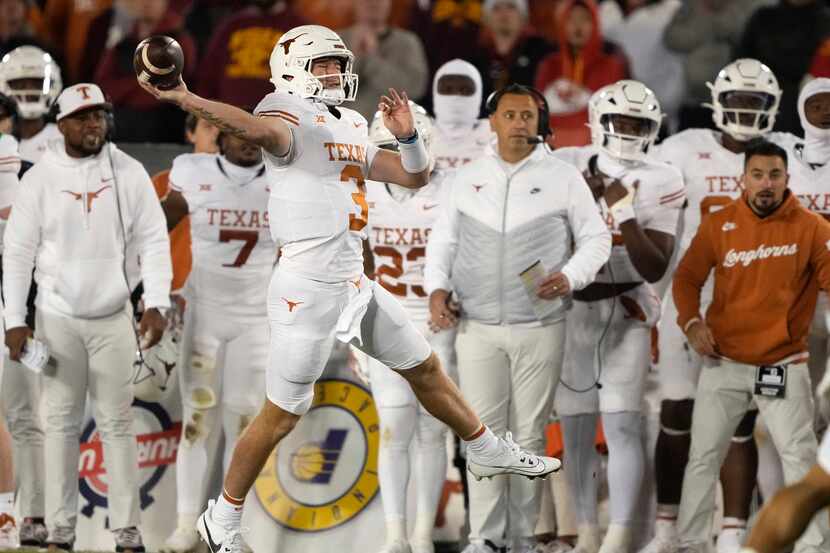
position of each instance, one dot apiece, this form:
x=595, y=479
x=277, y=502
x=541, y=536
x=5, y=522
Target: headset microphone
x=535, y=140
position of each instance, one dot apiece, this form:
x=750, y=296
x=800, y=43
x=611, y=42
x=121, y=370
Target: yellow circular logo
x=325, y=472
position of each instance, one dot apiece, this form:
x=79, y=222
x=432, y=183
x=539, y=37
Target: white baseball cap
x=79, y=97
x=520, y=5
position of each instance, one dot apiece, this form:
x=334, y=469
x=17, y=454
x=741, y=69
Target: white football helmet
x=291, y=62
x=745, y=98
x=154, y=377
x=624, y=118
x=30, y=63
x=380, y=136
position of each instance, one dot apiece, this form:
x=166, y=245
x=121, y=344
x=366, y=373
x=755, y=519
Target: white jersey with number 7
x=233, y=254
x=318, y=202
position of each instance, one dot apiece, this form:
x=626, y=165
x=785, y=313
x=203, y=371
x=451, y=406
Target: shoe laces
x=129, y=536
x=233, y=539
x=524, y=456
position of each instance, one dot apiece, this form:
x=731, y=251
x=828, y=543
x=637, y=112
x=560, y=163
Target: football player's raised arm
x=175, y=208
x=387, y=167
x=409, y=168
x=270, y=133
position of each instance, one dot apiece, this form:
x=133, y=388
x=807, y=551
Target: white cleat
x=9, y=538
x=183, y=540
x=397, y=546
x=511, y=460
x=731, y=540
x=217, y=537
x=555, y=546
x=422, y=546
x=661, y=544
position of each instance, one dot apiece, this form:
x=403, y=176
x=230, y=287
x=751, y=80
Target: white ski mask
x=816, y=139
x=454, y=110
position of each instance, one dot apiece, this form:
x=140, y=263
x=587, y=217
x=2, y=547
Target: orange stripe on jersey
x=291, y=118
x=672, y=197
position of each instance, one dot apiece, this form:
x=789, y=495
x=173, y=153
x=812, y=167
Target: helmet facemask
x=745, y=114
x=627, y=137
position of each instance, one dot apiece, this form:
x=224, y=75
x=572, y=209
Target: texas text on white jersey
x=318, y=203
x=233, y=254
x=658, y=200
x=399, y=228
x=711, y=174
x=453, y=148
x=31, y=149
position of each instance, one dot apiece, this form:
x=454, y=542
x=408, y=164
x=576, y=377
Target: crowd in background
x=566, y=48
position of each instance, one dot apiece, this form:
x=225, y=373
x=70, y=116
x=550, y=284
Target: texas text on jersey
x=318, y=191
x=233, y=253
x=399, y=229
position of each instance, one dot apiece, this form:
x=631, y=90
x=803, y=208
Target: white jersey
x=809, y=182
x=658, y=201
x=318, y=203
x=32, y=149
x=711, y=173
x=452, y=149
x=233, y=254
x=398, y=230
x=9, y=168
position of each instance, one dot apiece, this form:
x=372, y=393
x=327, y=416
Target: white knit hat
x=520, y=5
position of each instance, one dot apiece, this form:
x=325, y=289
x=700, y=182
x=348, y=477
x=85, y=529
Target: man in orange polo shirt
x=204, y=138
x=770, y=255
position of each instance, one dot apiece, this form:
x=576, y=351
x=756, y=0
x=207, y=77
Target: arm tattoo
x=221, y=124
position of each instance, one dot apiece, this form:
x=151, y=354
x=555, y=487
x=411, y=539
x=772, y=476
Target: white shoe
x=730, y=540
x=511, y=460
x=555, y=546
x=523, y=545
x=9, y=538
x=182, y=540
x=661, y=544
x=422, y=546
x=397, y=546
x=474, y=547
x=217, y=537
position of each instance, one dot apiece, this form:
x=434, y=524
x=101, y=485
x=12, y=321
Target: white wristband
x=414, y=156
x=622, y=212
x=689, y=324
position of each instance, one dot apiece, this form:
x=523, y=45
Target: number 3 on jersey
x=353, y=172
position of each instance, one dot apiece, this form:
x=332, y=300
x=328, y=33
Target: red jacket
x=567, y=80
x=235, y=68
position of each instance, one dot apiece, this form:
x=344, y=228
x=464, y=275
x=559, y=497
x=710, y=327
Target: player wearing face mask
x=809, y=170
x=459, y=135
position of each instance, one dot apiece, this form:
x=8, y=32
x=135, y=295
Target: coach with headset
x=78, y=211
x=519, y=233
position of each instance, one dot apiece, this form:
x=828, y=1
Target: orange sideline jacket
x=179, y=237
x=767, y=275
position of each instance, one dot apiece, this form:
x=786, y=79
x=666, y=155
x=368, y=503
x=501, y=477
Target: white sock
x=188, y=520
x=6, y=502
x=430, y=473
x=226, y=513
x=395, y=530
x=486, y=445
x=581, y=465
x=626, y=464
x=665, y=526
x=191, y=465
x=733, y=523
x=397, y=426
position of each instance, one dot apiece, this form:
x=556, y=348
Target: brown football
x=159, y=60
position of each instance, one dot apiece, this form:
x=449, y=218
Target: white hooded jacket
x=73, y=221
